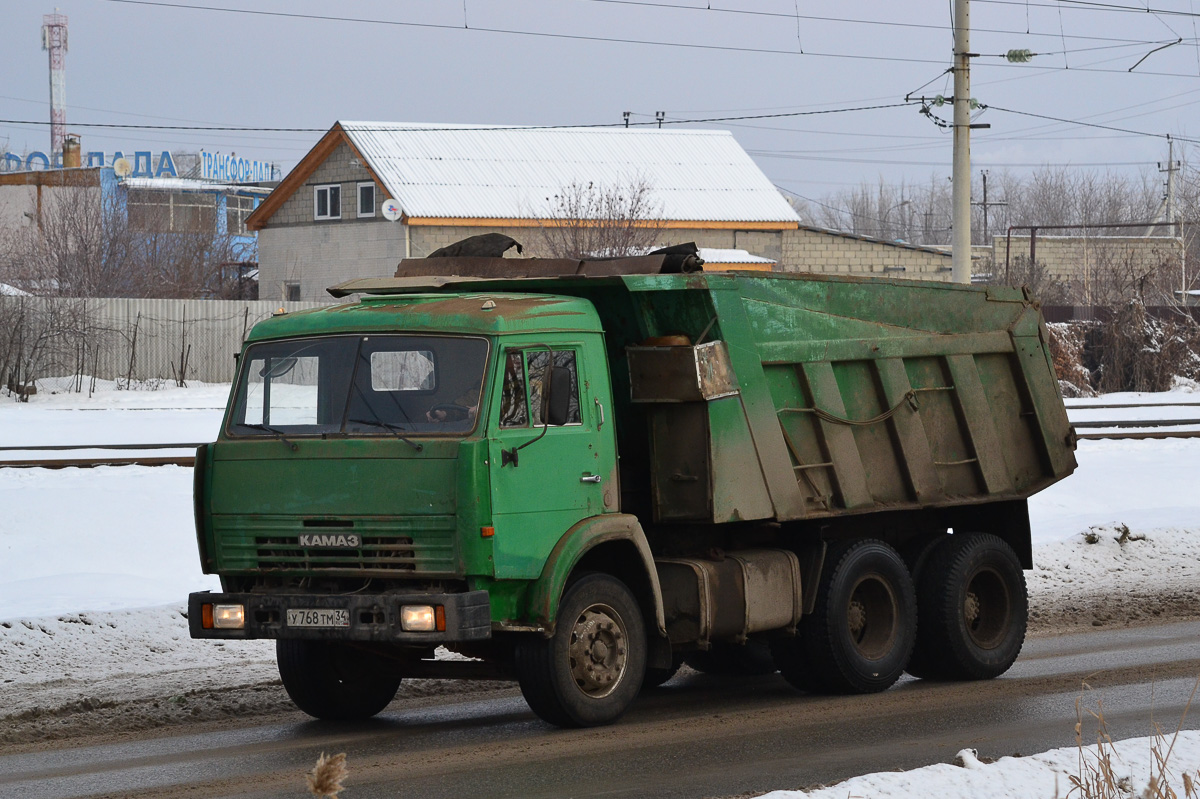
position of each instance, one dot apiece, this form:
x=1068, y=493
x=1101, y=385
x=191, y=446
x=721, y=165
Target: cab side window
x=514, y=407
x=525, y=382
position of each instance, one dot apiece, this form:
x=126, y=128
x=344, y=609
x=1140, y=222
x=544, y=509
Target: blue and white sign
x=232, y=169
x=143, y=162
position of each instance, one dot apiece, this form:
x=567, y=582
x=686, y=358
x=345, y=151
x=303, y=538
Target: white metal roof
x=711, y=255
x=512, y=173
x=190, y=184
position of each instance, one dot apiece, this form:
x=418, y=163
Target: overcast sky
x=555, y=62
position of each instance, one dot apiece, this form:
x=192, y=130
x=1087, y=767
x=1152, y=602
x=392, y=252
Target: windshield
x=376, y=385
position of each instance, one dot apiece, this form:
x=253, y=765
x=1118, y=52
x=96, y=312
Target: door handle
x=600, y=408
x=590, y=478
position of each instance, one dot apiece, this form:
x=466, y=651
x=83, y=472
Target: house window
x=366, y=199
x=291, y=292
x=327, y=202
x=236, y=210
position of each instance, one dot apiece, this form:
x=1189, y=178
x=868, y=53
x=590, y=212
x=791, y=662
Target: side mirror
x=557, y=407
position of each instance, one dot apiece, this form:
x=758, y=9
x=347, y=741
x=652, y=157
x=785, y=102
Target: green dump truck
x=580, y=477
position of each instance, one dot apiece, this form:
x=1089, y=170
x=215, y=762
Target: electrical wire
x=574, y=36
x=1092, y=124
x=247, y=129
x=849, y=20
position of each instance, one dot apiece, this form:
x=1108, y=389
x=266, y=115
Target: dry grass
x=1067, y=343
x=325, y=780
x=1098, y=777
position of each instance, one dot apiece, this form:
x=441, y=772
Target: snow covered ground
x=1043, y=776
x=96, y=564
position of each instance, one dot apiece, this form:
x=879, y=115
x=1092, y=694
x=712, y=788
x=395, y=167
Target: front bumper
x=373, y=617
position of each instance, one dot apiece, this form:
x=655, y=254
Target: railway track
x=108, y=460
x=1131, y=429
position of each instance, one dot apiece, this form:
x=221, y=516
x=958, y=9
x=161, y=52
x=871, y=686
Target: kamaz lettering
x=348, y=541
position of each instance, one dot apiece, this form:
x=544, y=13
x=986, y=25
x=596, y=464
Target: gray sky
x=144, y=64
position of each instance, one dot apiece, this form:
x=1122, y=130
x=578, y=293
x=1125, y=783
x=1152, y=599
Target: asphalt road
x=697, y=736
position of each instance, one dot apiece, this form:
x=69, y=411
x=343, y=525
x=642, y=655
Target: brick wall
x=1075, y=259
x=807, y=250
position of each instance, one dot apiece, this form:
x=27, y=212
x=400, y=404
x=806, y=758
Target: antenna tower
x=54, y=39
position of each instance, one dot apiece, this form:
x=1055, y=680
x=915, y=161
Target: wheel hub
x=856, y=617
x=598, y=653
x=971, y=608
x=987, y=609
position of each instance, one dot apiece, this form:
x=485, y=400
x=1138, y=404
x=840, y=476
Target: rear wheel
x=334, y=681
x=973, y=610
x=591, y=669
x=861, y=631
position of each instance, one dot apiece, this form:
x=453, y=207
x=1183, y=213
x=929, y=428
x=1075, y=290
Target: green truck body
x=581, y=481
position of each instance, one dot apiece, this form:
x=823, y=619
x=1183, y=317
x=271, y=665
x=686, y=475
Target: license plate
x=318, y=617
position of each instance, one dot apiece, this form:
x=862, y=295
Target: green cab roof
x=478, y=313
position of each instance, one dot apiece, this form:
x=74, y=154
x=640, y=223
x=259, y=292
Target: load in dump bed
x=596, y=470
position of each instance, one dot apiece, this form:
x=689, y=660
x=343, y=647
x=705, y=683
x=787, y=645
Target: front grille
x=393, y=553
x=420, y=545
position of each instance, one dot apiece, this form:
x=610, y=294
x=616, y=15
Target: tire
x=752, y=659
x=973, y=610
x=590, y=671
x=333, y=681
x=860, y=634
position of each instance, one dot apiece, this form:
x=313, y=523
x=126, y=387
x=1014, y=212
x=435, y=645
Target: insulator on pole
x=1019, y=56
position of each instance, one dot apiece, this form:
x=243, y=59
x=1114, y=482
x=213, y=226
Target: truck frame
x=582, y=474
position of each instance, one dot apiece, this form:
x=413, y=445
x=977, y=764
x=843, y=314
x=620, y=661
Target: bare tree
x=585, y=220
x=92, y=245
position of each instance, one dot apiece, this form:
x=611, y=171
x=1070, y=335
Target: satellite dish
x=391, y=210
x=122, y=167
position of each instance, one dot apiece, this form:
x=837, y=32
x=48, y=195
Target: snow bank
x=1044, y=775
x=93, y=647
x=74, y=540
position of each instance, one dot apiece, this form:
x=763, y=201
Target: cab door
x=546, y=477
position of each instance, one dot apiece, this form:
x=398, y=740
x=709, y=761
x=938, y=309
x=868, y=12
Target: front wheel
x=973, y=609
x=591, y=669
x=334, y=681
x=860, y=634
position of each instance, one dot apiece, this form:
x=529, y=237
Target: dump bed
x=802, y=396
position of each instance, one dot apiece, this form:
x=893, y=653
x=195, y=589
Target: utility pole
x=986, y=205
x=961, y=192
x=1172, y=167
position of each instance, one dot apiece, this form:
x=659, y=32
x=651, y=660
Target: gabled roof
x=460, y=172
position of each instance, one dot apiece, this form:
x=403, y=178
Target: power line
x=517, y=32
x=850, y=20
x=588, y=38
x=246, y=129
x=1090, y=5
x=1092, y=124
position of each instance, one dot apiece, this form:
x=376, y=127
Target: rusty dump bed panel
x=899, y=394
x=809, y=396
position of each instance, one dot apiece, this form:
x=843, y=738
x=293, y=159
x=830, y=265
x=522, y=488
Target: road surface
x=698, y=736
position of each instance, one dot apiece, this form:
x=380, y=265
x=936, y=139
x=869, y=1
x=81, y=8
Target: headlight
x=418, y=618
x=229, y=617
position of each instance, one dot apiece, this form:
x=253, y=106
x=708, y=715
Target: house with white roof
x=326, y=223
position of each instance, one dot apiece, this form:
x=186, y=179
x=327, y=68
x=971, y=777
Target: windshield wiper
x=267, y=428
x=391, y=428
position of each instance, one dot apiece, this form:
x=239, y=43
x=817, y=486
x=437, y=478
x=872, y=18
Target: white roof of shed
x=715, y=256
x=441, y=171
x=190, y=184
